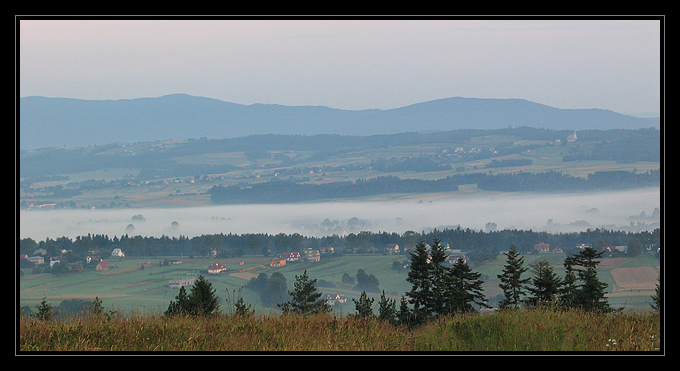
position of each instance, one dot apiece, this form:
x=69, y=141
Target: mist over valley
x=629, y=210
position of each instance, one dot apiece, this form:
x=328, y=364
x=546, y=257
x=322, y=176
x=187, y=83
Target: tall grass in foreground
x=536, y=330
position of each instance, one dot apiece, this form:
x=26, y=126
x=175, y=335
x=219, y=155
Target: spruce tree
x=201, y=301
x=180, y=305
x=404, y=315
x=421, y=285
x=589, y=293
x=568, y=292
x=512, y=283
x=546, y=285
x=45, y=312
x=202, y=298
x=304, y=298
x=363, y=306
x=387, y=309
x=436, y=303
x=464, y=289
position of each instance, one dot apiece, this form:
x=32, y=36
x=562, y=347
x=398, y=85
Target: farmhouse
x=312, y=255
x=276, y=262
x=216, y=268
x=292, y=256
x=101, y=266
x=542, y=247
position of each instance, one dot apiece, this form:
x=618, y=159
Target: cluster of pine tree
x=439, y=289
x=580, y=288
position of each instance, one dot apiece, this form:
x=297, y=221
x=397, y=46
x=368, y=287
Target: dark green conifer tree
x=421, y=285
x=546, y=285
x=589, y=294
x=304, y=298
x=464, y=289
x=512, y=283
x=202, y=298
x=436, y=303
x=387, y=309
x=201, y=301
x=363, y=306
x=181, y=303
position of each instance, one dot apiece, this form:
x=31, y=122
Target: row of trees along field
x=277, y=191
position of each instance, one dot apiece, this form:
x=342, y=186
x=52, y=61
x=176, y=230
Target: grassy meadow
x=533, y=331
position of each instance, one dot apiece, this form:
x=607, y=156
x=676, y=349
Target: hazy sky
x=349, y=63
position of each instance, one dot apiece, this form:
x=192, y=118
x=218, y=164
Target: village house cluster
x=39, y=258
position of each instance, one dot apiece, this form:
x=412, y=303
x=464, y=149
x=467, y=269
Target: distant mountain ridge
x=56, y=122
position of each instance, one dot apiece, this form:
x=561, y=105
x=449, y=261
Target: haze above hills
x=57, y=122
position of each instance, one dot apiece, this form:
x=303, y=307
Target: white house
x=118, y=253
x=177, y=283
x=216, y=268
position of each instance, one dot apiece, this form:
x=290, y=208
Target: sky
x=356, y=63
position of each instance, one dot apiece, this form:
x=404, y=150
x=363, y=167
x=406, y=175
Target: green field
x=126, y=286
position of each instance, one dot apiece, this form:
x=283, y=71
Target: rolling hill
x=57, y=122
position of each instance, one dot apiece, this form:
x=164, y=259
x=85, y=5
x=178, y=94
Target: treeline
x=555, y=181
x=283, y=191
x=289, y=191
x=478, y=245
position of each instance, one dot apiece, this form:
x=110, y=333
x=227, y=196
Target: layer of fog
x=625, y=210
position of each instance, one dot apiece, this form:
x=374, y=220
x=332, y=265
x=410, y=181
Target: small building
x=326, y=250
x=216, y=268
x=292, y=256
x=101, y=266
x=331, y=299
x=177, y=283
x=542, y=247
x=117, y=253
x=452, y=258
x=615, y=248
x=391, y=248
x=312, y=255
x=276, y=262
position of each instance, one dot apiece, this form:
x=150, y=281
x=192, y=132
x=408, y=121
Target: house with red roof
x=292, y=256
x=101, y=266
